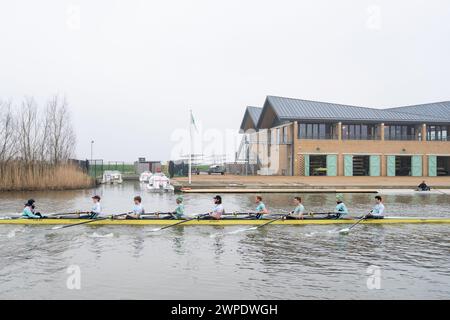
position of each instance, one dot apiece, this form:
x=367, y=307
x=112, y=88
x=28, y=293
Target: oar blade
x=242, y=230
x=344, y=231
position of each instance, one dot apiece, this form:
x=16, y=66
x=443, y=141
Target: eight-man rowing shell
x=226, y=222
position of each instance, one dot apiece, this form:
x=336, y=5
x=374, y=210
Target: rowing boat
x=227, y=222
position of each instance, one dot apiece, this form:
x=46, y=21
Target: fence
x=242, y=169
x=96, y=168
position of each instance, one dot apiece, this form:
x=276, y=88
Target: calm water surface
x=202, y=262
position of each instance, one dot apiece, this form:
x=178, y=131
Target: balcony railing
x=403, y=138
x=362, y=138
x=322, y=137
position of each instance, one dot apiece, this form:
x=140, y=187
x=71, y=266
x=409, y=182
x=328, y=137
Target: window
x=316, y=131
x=437, y=133
x=359, y=132
x=401, y=132
x=285, y=135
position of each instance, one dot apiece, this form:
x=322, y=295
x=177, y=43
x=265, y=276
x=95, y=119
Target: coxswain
x=29, y=211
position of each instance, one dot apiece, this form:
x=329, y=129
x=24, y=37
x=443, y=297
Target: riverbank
x=38, y=177
x=233, y=183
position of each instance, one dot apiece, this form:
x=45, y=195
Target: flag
x=193, y=124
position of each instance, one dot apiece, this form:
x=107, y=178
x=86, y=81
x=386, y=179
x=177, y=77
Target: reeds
x=21, y=176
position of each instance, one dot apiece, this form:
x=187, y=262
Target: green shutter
x=416, y=166
x=348, y=165
x=307, y=174
x=390, y=163
x=375, y=170
x=432, y=166
x=331, y=165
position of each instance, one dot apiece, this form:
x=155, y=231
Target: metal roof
x=438, y=109
x=287, y=109
x=254, y=113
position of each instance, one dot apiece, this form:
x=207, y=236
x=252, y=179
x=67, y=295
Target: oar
x=259, y=227
x=90, y=221
x=176, y=224
x=347, y=230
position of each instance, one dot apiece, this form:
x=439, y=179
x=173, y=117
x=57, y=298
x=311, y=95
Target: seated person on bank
x=423, y=187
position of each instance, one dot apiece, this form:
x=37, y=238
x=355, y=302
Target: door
x=307, y=173
x=416, y=166
x=432, y=166
x=390, y=164
x=332, y=165
x=375, y=170
x=348, y=165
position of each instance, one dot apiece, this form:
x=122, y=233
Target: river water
x=203, y=262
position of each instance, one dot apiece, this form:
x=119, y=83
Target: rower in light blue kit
x=299, y=209
x=218, y=210
x=96, y=210
x=341, y=211
x=261, y=209
x=138, y=209
x=179, y=210
x=378, y=210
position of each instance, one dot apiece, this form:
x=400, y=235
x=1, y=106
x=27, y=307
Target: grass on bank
x=17, y=176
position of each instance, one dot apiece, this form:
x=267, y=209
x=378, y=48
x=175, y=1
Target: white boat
x=160, y=183
x=112, y=177
x=145, y=176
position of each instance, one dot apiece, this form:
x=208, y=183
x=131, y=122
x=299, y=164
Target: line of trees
x=36, y=143
x=33, y=134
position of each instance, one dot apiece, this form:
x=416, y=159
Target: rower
x=179, y=210
x=298, y=211
x=135, y=214
x=261, y=209
x=378, y=210
x=29, y=211
x=423, y=187
x=218, y=209
x=341, y=211
x=95, y=211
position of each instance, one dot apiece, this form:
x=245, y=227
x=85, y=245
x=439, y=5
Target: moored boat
x=112, y=177
x=145, y=176
x=160, y=183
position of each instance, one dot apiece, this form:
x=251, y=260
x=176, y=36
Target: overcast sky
x=131, y=69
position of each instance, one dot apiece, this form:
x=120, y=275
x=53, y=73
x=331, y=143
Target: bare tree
x=8, y=141
x=61, y=136
x=34, y=136
x=29, y=131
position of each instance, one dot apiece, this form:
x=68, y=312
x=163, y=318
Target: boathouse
x=310, y=138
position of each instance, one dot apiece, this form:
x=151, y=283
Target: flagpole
x=190, y=146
